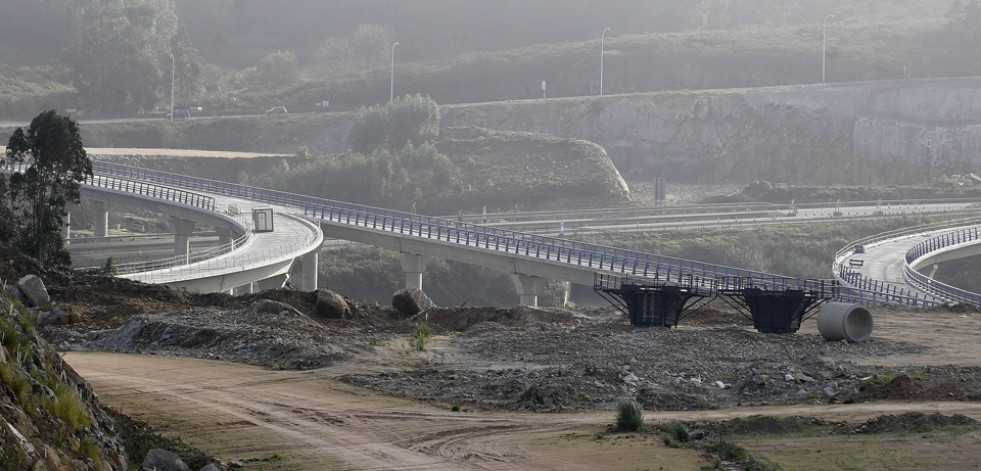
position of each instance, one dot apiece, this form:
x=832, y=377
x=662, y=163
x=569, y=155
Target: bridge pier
x=100, y=216
x=309, y=270
x=413, y=265
x=67, y=227
x=224, y=236
x=528, y=288
x=182, y=235
x=274, y=282
x=933, y=271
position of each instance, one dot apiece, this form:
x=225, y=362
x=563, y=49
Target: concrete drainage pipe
x=845, y=321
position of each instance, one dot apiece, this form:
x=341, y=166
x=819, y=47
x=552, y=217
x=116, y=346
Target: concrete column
x=528, y=288
x=224, y=236
x=309, y=273
x=67, y=227
x=933, y=271
x=413, y=265
x=100, y=216
x=182, y=235
x=275, y=282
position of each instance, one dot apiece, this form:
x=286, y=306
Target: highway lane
x=87, y=254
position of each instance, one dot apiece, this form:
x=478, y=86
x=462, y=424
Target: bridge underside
x=653, y=304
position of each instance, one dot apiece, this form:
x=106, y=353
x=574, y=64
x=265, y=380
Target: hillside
x=230, y=61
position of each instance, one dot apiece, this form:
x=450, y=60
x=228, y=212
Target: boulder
x=16, y=293
x=331, y=305
x=268, y=306
x=411, y=301
x=210, y=467
x=33, y=288
x=60, y=316
x=162, y=460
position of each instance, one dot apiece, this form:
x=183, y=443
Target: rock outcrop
x=876, y=132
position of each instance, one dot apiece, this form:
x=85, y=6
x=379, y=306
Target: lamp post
x=824, y=46
x=602, y=54
x=173, y=72
x=392, y=95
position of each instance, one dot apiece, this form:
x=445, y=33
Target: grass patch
x=676, y=435
x=729, y=451
x=423, y=332
x=630, y=416
x=90, y=450
x=13, y=457
x=19, y=384
x=66, y=405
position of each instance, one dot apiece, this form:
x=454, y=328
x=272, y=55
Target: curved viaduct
x=301, y=222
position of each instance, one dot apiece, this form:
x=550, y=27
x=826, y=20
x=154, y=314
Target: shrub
x=423, y=331
x=678, y=431
x=730, y=451
x=630, y=416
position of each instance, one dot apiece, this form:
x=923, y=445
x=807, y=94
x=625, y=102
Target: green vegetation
x=676, y=434
x=249, y=55
x=371, y=273
x=630, y=416
x=56, y=164
x=729, y=451
x=423, y=331
x=66, y=405
x=109, y=268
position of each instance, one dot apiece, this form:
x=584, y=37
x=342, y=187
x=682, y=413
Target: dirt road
x=242, y=412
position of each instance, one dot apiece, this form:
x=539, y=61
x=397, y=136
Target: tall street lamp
x=392, y=96
x=824, y=46
x=173, y=72
x=602, y=53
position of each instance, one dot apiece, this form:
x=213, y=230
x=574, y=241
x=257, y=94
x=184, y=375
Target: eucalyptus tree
x=56, y=165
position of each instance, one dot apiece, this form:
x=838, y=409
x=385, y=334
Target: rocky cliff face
x=882, y=132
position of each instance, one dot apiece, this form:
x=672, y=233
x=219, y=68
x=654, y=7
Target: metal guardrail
x=925, y=283
x=131, y=186
x=160, y=264
x=591, y=256
x=864, y=290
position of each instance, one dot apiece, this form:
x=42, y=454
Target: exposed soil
x=492, y=363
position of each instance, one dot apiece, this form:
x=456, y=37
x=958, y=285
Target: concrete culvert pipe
x=845, y=321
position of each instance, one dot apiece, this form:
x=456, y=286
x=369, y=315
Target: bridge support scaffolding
x=775, y=312
x=650, y=304
x=654, y=306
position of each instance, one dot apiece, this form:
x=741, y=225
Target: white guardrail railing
x=963, y=235
x=857, y=287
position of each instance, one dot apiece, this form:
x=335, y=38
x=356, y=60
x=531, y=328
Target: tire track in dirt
x=238, y=411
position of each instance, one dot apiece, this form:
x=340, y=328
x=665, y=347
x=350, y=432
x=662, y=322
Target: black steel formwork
x=648, y=303
x=775, y=305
